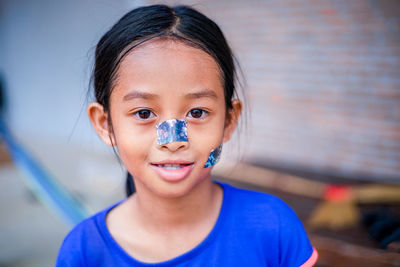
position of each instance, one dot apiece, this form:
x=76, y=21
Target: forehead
x=170, y=62
x=165, y=47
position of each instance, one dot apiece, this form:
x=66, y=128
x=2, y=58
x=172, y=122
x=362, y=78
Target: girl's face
x=158, y=81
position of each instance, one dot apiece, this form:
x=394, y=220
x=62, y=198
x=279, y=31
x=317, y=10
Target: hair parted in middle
x=142, y=24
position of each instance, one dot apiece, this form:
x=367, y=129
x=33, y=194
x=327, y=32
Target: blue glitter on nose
x=173, y=130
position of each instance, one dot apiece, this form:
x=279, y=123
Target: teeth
x=170, y=166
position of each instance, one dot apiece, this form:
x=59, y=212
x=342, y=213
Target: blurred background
x=322, y=90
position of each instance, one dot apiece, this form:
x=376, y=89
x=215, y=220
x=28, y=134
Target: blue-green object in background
x=46, y=188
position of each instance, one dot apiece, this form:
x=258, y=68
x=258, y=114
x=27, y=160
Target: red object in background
x=336, y=193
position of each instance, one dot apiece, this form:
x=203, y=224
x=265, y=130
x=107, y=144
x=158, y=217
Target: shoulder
x=272, y=223
x=85, y=238
x=259, y=205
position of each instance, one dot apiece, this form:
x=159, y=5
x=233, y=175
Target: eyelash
x=203, y=113
x=137, y=114
x=152, y=115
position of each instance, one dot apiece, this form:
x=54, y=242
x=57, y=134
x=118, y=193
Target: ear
x=99, y=120
x=232, y=119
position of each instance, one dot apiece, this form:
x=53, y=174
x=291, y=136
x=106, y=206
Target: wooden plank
x=334, y=252
x=4, y=156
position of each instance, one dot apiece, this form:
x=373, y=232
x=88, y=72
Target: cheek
x=134, y=143
x=204, y=138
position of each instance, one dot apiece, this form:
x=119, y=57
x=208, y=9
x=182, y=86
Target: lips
x=173, y=171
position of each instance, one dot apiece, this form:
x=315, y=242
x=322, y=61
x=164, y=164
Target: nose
x=175, y=146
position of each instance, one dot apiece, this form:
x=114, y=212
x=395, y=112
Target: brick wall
x=323, y=83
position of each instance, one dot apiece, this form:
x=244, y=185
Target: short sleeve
x=69, y=253
x=295, y=248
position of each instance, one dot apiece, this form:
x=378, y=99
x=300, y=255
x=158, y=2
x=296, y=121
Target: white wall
x=46, y=49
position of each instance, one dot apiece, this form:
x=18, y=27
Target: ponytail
x=130, y=185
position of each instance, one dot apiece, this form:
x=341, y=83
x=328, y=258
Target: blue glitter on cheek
x=173, y=130
x=214, y=156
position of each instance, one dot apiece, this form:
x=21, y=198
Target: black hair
x=180, y=23
x=129, y=185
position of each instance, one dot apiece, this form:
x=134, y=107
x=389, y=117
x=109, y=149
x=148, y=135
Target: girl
x=164, y=84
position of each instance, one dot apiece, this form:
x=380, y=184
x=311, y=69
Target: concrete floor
x=30, y=234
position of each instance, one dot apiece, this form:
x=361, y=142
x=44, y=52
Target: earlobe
x=232, y=119
x=99, y=119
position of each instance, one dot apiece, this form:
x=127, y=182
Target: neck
x=158, y=213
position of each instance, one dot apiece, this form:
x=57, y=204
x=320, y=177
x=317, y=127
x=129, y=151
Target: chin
x=180, y=189
x=175, y=190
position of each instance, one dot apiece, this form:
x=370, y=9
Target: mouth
x=171, y=166
x=172, y=171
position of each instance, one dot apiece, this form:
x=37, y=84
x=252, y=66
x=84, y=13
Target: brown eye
x=144, y=114
x=197, y=113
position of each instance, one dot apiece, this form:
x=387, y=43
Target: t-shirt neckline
x=178, y=259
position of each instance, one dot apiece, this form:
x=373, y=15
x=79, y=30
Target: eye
x=144, y=114
x=197, y=113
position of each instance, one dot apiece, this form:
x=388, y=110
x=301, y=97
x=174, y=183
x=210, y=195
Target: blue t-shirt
x=253, y=229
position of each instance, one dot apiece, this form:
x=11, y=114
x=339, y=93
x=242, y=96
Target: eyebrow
x=203, y=93
x=137, y=94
